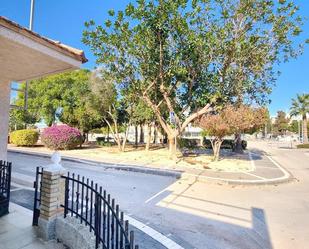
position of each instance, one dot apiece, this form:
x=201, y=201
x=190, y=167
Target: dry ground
x=158, y=157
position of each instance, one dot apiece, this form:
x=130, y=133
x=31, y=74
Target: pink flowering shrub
x=61, y=137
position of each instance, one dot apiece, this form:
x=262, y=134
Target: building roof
x=65, y=49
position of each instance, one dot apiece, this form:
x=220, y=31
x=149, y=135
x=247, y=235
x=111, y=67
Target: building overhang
x=25, y=55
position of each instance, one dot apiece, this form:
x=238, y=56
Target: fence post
x=96, y=220
x=52, y=195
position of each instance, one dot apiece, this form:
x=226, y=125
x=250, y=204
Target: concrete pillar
x=5, y=91
x=52, y=196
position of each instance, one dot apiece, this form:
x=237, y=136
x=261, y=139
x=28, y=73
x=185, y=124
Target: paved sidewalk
x=16, y=231
x=266, y=170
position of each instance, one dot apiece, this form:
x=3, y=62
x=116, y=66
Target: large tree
x=63, y=97
x=185, y=56
x=300, y=107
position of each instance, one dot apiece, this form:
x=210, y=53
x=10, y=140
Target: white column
x=5, y=91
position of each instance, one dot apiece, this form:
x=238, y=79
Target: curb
x=116, y=166
x=163, y=172
x=222, y=181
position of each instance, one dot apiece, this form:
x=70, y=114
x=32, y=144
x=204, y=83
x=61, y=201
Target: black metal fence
x=89, y=203
x=5, y=186
x=37, y=196
x=96, y=209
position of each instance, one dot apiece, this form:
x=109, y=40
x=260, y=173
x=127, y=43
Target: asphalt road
x=199, y=215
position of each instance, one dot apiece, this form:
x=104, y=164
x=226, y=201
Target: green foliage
x=226, y=144
x=178, y=56
x=281, y=123
x=65, y=97
x=102, y=142
x=187, y=143
x=300, y=106
x=24, y=137
x=302, y=146
x=294, y=126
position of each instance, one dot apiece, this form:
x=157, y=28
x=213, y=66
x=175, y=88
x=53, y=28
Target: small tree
x=300, y=107
x=281, y=123
x=217, y=127
x=231, y=120
x=106, y=103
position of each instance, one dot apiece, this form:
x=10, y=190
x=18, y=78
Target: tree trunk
x=216, y=146
x=238, y=147
x=148, y=137
x=155, y=134
x=141, y=138
x=107, y=134
x=305, y=131
x=172, y=147
x=136, y=136
x=119, y=145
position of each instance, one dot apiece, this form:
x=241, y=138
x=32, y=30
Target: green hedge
x=226, y=144
x=194, y=143
x=24, y=137
x=187, y=143
x=303, y=146
x=102, y=142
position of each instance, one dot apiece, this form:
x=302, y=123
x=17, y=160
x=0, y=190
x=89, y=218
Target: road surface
x=200, y=215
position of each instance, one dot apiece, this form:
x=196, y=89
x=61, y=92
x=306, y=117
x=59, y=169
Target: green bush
x=187, y=143
x=302, y=146
x=96, y=131
x=24, y=137
x=226, y=144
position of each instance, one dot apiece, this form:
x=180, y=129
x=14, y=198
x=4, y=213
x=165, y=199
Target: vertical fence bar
x=66, y=195
x=87, y=199
x=77, y=196
x=91, y=206
x=100, y=213
x=82, y=202
x=96, y=213
x=34, y=218
x=131, y=240
x=126, y=228
x=104, y=216
x=9, y=181
x=117, y=227
x=108, y=220
x=113, y=226
x=72, y=195
x=121, y=231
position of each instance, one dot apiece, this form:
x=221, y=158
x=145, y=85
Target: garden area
x=149, y=90
x=191, y=156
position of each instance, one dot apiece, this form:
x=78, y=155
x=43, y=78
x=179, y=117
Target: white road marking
x=251, y=160
x=260, y=177
x=286, y=174
x=162, y=239
x=157, y=194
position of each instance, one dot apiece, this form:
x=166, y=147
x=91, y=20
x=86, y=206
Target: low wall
x=70, y=232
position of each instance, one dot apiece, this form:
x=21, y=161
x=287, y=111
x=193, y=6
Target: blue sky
x=63, y=20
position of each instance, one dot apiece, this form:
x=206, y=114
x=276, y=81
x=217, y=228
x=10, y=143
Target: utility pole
x=30, y=28
x=31, y=15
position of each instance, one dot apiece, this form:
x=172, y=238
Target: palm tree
x=300, y=107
